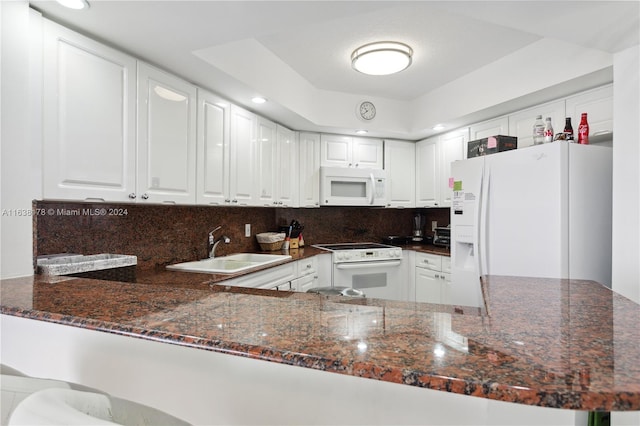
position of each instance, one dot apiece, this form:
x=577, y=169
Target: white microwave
x=351, y=186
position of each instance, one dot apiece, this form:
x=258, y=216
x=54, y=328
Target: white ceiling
x=239, y=49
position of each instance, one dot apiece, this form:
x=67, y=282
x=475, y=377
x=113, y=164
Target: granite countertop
x=547, y=342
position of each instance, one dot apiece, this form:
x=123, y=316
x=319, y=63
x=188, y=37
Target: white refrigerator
x=540, y=211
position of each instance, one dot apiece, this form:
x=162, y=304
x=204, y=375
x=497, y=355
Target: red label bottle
x=583, y=130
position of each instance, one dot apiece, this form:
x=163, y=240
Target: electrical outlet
x=434, y=225
x=247, y=229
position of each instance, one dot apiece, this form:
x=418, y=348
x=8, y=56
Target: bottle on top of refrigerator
x=583, y=130
x=548, y=130
x=538, y=131
x=568, y=129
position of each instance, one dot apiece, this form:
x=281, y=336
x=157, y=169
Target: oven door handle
x=362, y=265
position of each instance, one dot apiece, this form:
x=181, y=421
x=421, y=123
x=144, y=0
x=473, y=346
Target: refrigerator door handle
x=483, y=225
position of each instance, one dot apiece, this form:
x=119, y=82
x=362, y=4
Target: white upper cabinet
x=212, y=154
x=598, y=104
x=521, y=123
x=277, y=165
x=286, y=172
x=497, y=126
x=399, y=157
x=453, y=147
x=434, y=156
x=309, y=169
x=335, y=150
x=427, y=172
x=346, y=151
x=242, y=157
x=89, y=110
x=368, y=153
x=166, y=138
x=266, y=161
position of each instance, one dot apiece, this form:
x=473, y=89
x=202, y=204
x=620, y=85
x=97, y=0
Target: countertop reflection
x=548, y=342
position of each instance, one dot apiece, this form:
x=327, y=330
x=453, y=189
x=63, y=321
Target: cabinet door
x=598, y=104
x=287, y=168
x=521, y=123
x=452, y=148
x=89, y=107
x=367, y=153
x=335, y=150
x=399, y=158
x=166, y=138
x=305, y=283
x=428, y=285
x=242, y=157
x=212, y=177
x=429, y=261
x=309, y=180
x=497, y=126
x=266, y=160
x=427, y=173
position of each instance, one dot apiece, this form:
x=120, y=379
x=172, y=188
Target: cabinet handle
x=145, y=196
x=227, y=200
x=234, y=201
x=132, y=196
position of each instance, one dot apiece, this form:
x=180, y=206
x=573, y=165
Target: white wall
x=626, y=186
x=626, y=174
x=20, y=140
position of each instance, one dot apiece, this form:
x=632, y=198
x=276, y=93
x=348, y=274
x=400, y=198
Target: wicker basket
x=270, y=241
x=271, y=246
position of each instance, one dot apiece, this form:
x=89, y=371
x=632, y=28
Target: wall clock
x=366, y=110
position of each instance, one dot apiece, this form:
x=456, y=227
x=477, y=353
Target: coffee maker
x=418, y=227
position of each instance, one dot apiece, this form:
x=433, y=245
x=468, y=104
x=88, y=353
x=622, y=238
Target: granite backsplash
x=160, y=235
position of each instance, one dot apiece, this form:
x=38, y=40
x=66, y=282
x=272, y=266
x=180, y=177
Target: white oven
x=374, y=269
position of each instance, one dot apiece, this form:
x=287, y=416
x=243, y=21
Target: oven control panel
x=367, y=255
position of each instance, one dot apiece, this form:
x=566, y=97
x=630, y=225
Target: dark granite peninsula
x=560, y=344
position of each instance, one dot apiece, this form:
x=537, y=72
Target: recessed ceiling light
x=258, y=100
x=381, y=58
x=362, y=132
x=438, y=127
x=74, y=4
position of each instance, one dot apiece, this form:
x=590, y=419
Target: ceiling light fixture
x=74, y=4
x=381, y=58
x=258, y=100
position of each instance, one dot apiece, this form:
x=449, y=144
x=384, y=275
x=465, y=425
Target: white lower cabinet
x=278, y=277
x=300, y=275
x=433, y=278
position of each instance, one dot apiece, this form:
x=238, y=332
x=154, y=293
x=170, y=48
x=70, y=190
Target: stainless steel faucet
x=213, y=242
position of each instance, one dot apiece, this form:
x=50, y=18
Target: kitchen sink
x=229, y=264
